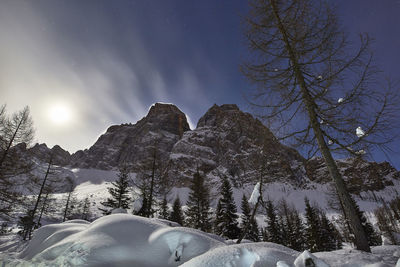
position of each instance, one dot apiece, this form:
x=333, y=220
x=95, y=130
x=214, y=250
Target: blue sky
x=106, y=62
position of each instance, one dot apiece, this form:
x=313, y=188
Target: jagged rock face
x=130, y=144
x=359, y=174
x=230, y=141
x=59, y=156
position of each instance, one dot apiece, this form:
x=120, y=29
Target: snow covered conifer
x=329, y=235
x=313, y=228
x=119, y=192
x=253, y=231
x=198, y=212
x=86, y=214
x=297, y=236
x=229, y=223
x=272, y=232
x=292, y=228
x=177, y=213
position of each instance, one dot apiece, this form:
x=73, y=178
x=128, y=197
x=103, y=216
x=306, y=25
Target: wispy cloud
x=108, y=65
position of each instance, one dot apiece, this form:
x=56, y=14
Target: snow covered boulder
x=245, y=255
x=184, y=243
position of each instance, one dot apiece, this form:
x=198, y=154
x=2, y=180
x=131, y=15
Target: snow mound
x=245, y=255
x=114, y=240
x=184, y=243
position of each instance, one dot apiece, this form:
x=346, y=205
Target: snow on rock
x=306, y=259
x=340, y=100
x=255, y=194
x=245, y=255
x=184, y=243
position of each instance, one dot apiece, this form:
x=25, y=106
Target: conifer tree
x=218, y=219
x=253, y=231
x=119, y=193
x=291, y=226
x=329, y=236
x=86, y=214
x=198, y=212
x=177, y=213
x=143, y=211
x=313, y=228
x=272, y=232
x=297, y=237
x=229, y=223
x=164, y=208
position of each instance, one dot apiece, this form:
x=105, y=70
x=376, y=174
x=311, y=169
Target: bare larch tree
x=322, y=91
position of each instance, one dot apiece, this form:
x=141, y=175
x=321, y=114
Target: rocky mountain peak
x=162, y=108
x=167, y=117
x=216, y=115
x=130, y=143
x=43, y=152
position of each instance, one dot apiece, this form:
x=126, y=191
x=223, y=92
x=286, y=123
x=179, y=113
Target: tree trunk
x=29, y=232
x=66, y=206
x=361, y=241
x=43, y=208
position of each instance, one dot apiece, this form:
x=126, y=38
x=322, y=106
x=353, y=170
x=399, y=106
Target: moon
x=60, y=114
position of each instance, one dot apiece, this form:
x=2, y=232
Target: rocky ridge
x=226, y=141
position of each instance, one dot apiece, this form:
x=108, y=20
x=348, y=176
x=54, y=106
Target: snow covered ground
x=129, y=240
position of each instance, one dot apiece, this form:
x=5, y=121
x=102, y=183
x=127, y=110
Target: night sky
x=82, y=66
